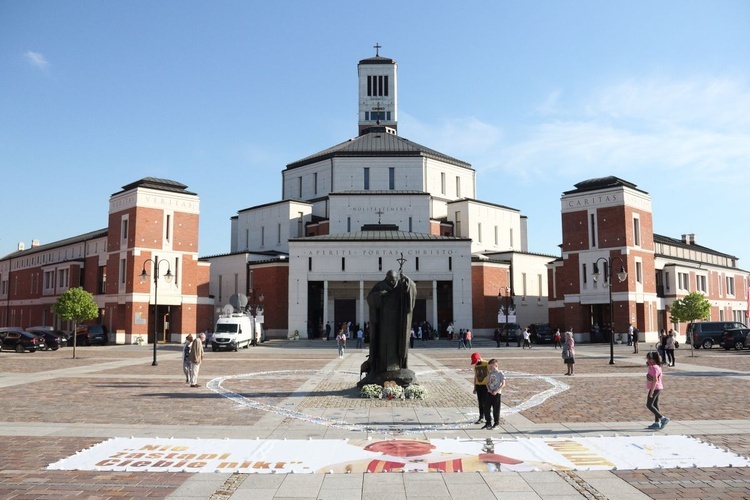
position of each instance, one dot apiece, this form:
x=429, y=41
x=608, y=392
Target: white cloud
x=36, y=59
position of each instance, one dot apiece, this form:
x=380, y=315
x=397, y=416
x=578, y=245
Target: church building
x=377, y=202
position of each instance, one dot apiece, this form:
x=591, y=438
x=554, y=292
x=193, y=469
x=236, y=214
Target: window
x=177, y=271
x=315, y=183
x=666, y=280
x=458, y=187
x=584, y=274
x=636, y=231
x=497, y=241
x=300, y=224
x=262, y=235
x=442, y=182
x=458, y=223
x=343, y=263
x=416, y=263
x=592, y=228
x=450, y=263
x=49, y=280
x=730, y=285
x=380, y=263
x=391, y=178
x=539, y=282
x=683, y=281
x=479, y=232
x=124, y=229
x=278, y=230
x=348, y=224
x=167, y=225
x=377, y=86
x=523, y=284
x=700, y=284
x=367, y=178
x=299, y=187
x=639, y=272
x=410, y=224
x=510, y=236
x=309, y=263
x=123, y=270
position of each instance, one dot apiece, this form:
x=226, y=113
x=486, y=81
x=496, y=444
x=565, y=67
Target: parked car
x=735, y=337
x=708, y=333
x=510, y=332
x=91, y=335
x=541, y=333
x=15, y=339
x=52, y=339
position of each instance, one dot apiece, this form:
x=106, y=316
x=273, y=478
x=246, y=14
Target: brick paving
x=94, y=390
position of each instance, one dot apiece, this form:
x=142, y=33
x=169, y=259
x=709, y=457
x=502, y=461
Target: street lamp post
x=168, y=279
x=621, y=276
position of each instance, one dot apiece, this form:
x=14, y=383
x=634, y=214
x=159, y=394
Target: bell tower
x=378, y=93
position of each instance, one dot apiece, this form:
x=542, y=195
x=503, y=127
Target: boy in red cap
x=481, y=373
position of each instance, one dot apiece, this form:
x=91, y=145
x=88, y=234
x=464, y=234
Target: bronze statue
x=391, y=304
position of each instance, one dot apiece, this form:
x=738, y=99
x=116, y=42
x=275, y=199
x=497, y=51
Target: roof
x=377, y=60
x=377, y=142
x=380, y=235
x=599, y=183
x=666, y=240
x=100, y=233
x=157, y=184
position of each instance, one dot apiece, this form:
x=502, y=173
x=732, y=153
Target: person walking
x=661, y=345
x=467, y=339
x=360, y=337
x=655, y=384
x=341, y=341
x=557, y=339
x=526, y=338
x=569, y=352
x=461, y=339
x=196, y=358
x=328, y=330
x=495, y=385
x=669, y=347
x=186, y=357
x=630, y=334
x=449, y=331
x=635, y=339
x=481, y=372
x=496, y=336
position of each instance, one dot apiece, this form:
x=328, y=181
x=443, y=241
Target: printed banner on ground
x=399, y=455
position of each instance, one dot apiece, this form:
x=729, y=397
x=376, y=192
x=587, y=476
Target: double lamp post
x=168, y=279
x=621, y=276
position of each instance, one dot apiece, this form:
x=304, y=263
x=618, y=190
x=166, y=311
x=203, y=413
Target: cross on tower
x=377, y=49
x=379, y=212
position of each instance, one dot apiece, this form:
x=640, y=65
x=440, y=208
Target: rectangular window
x=367, y=178
x=300, y=224
x=380, y=263
x=639, y=272
x=450, y=263
x=262, y=235
x=497, y=240
x=124, y=230
x=458, y=187
x=636, y=231
x=247, y=239
x=315, y=183
x=167, y=226
x=278, y=231
x=539, y=282
x=592, y=228
x=523, y=284
x=442, y=182
x=369, y=85
x=700, y=284
x=666, y=280
x=584, y=274
x=479, y=232
x=511, y=237
x=309, y=263
x=299, y=187
x=176, y=271
x=730, y=285
x=343, y=263
x=348, y=224
x=123, y=270
x=391, y=178
x=385, y=85
x=458, y=223
x=410, y=224
x=62, y=278
x=416, y=263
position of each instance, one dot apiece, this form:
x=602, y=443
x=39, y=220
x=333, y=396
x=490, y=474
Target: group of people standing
x=489, y=383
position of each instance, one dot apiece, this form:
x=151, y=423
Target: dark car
x=708, y=333
x=15, y=339
x=510, y=332
x=542, y=333
x=91, y=335
x=735, y=337
x=52, y=339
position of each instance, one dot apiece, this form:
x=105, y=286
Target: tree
x=690, y=308
x=76, y=305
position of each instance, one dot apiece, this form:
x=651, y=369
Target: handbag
x=676, y=344
x=566, y=353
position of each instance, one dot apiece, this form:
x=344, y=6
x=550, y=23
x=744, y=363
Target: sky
x=221, y=96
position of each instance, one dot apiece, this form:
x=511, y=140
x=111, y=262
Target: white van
x=233, y=331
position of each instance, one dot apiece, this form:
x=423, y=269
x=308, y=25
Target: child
x=654, y=385
x=557, y=338
x=495, y=385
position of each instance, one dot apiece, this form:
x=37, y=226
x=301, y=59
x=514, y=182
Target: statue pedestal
x=403, y=377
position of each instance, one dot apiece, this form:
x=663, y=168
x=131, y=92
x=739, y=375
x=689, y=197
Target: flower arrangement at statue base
x=415, y=392
x=391, y=390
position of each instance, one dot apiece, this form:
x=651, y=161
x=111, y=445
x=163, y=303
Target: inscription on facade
x=376, y=253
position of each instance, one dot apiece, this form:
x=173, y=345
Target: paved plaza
x=55, y=406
